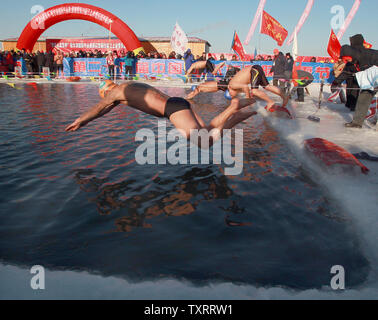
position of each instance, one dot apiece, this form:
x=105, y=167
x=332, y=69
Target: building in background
x=11, y=44
x=150, y=44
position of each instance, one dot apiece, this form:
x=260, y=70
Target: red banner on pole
x=273, y=28
x=368, y=45
x=334, y=46
x=238, y=47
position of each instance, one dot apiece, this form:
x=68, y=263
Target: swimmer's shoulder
x=136, y=85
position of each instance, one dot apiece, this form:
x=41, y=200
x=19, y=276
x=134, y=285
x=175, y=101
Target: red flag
x=273, y=28
x=334, y=46
x=368, y=45
x=238, y=47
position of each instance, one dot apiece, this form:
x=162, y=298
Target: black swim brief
x=258, y=77
x=175, y=104
x=223, y=84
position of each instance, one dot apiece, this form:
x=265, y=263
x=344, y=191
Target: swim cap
x=227, y=95
x=194, y=87
x=105, y=86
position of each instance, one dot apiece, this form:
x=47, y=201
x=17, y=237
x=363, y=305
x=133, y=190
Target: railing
x=166, y=69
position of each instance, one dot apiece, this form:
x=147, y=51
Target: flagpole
x=260, y=32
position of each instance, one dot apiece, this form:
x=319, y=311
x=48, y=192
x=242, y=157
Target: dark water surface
x=79, y=201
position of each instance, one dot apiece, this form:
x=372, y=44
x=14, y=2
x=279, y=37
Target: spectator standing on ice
x=49, y=62
x=278, y=69
x=28, y=57
x=59, y=64
x=288, y=72
x=129, y=63
x=10, y=62
x=367, y=79
x=41, y=60
x=346, y=74
x=338, y=68
x=110, y=64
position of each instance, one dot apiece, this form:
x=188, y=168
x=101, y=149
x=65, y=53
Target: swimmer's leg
x=211, y=86
x=263, y=96
x=238, y=117
x=235, y=106
x=232, y=92
x=195, y=66
x=218, y=67
x=277, y=91
x=235, y=88
x=187, y=120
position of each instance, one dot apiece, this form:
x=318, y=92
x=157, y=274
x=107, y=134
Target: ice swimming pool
x=81, y=202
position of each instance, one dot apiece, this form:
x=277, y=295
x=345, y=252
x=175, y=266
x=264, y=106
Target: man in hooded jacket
x=364, y=59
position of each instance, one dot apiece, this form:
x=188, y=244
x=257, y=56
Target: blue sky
x=212, y=20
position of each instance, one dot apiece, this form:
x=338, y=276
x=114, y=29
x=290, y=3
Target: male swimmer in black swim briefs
x=208, y=66
x=255, y=76
x=154, y=102
x=214, y=86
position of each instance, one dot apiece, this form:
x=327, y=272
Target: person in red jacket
x=10, y=62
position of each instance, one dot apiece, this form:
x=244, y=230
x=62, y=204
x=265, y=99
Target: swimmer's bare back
x=140, y=96
x=242, y=78
x=136, y=95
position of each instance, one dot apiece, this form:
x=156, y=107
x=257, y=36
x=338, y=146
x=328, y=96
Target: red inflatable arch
x=77, y=11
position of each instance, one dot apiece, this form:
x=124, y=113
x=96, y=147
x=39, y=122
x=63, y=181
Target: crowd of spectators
x=8, y=60
x=35, y=62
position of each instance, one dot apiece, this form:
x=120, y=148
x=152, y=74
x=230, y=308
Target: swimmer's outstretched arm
x=102, y=108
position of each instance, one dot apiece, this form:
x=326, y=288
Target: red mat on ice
x=331, y=153
x=277, y=108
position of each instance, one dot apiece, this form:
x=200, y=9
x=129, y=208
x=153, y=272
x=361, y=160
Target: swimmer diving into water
x=214, y=86
x=255, y=76
x=154, y=102
x=207, y=66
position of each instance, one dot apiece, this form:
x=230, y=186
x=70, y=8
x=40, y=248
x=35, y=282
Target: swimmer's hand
x=75, y=126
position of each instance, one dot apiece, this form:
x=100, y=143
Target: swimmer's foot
x=269, y=106
x=279, y=110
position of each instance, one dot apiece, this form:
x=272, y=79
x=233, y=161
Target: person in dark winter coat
x=28, y=57
x=362, y=59
x=41, y=60
x=290, y=62
x=278, y=69
x=288, y=72
x=49, y=61
x=365, y=58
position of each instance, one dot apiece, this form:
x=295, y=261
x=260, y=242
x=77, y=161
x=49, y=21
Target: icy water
x=79, y=201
